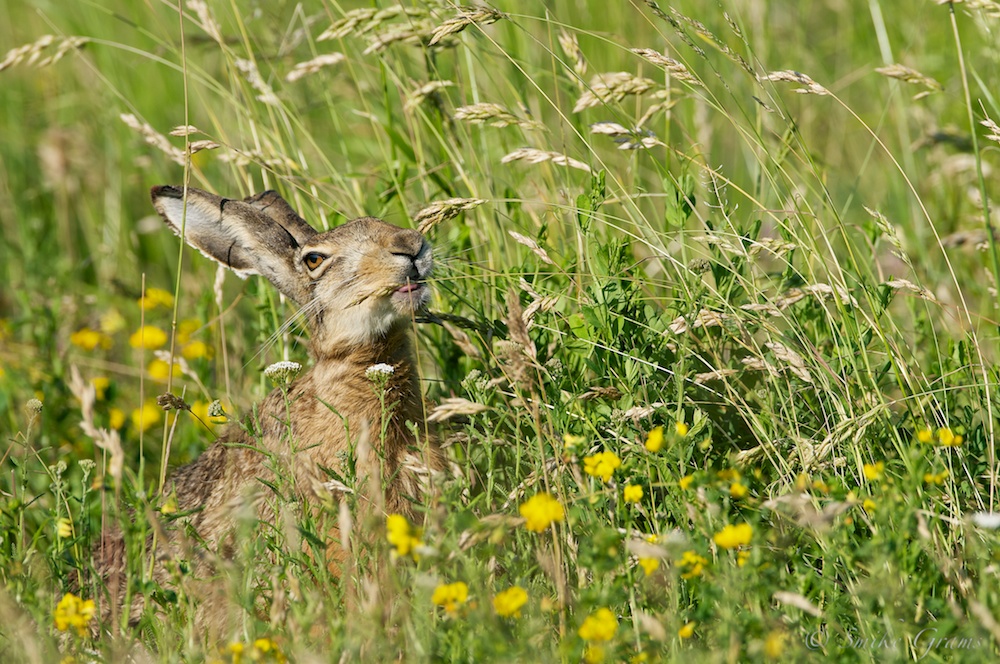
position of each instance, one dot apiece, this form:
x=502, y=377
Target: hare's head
x=355, y=283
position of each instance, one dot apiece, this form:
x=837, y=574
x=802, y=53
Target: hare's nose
x=407, y=242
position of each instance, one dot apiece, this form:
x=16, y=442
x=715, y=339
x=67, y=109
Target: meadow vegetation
x=713, y=347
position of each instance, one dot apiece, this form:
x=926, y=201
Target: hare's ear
x=247, y=237
x=277, y=208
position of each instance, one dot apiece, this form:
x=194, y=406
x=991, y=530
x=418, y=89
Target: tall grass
x=744, y=234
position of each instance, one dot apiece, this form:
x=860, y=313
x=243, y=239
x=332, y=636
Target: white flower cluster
x=282, y=373
x=379, y=372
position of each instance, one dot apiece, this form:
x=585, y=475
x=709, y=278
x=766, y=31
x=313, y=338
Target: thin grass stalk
x=991, y=239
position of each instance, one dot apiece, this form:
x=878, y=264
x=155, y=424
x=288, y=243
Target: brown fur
x=357, y=318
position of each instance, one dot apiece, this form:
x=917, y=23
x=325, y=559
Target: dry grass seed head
x=109, y=441
x=308, y=67
x=466, y=16
x=790, y=76
x=531, y=244
x=418, y=96
x=673, y=67
x=365, y=20
x=709, y=36
x=993, y=128
x=252, y=75
x=154, y=138
x=909, y=75
x=205, y=19
x=454, y=407
x=493, y=115
x=571, y=47
x=31, y=54
x=612, y=87
x=533, y=156
x=990, y=8
x=439, y=211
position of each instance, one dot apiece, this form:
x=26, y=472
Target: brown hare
x=358, y=286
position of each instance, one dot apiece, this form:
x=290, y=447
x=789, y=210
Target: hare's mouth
x=409, y=288
x=411, y=297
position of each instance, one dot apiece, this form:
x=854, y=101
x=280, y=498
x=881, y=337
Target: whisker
x=284, y=327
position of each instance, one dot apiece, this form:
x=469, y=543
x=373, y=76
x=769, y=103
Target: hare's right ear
x=258, y=236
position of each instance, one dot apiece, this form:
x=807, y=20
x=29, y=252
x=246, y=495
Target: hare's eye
x=313, y=260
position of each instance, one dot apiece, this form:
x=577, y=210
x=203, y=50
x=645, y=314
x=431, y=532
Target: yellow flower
x=868, y=505
x=217, y=412
x=101, y=385
x=649, y=565
x=593, y=654
x=159, y=370
x=571, y=442
x=112, y=321
x=925, y=436
x=186, y=328
x=156, y=297
x=730, y=475
x=146, y=416
x=693, y=563
x=681, y=429
x=686, y=482
x=774, y=644
x=508, y=603
x=169, y=505
x=948, y=438
x=733, y=537
x=936, y=478
x=196, y=350
x=64, y=528
x=599, y=626
x=88, y=339
x=602, y=464
x=266, y=649
x=540, y=511
x=402, y=535
x=632, y=493
x=116, y=418
x=236, y=650
x=687, y=631
x=654, y=439
x=149, y=337
x=873, y=471
x=821, y=486
x=742, y=557
x=738, y=490
x=71, y=611
x=451, y=596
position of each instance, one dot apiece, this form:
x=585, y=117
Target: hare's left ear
x=261, y=235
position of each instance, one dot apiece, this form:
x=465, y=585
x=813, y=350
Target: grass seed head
x=612, y=87
x=303, y=69
x=533, y=156
x=571, y=47
x=440, y=211
x=493, y=115
x=673, y=67
x=421, y=94
x=466, y=17
x=811, y=87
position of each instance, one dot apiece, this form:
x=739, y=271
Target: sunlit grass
x=712, y=348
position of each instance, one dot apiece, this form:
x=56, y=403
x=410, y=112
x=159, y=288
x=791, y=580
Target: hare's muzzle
x=411, y=297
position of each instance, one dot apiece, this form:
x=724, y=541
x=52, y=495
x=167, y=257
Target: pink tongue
x=407, y=288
